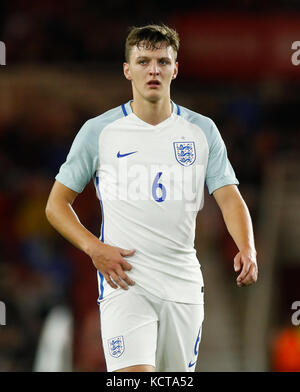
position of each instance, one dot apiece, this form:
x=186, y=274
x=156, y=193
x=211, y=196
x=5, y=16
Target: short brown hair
x=151, y=35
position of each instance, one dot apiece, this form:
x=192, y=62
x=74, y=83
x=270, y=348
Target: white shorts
x=139, y=328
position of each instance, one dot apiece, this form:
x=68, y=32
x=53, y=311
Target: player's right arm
x=109, y=260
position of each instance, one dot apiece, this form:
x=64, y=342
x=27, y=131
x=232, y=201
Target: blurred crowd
x=92, y=31
x=39, y=269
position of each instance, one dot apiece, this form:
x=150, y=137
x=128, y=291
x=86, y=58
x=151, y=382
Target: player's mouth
x=153, y=83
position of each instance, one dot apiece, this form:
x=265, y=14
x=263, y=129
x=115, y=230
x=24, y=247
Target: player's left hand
x=246, y=260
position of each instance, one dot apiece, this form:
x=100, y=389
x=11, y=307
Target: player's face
x=151, y=71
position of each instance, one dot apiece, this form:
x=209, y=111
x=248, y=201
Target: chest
x=178, y=144
x=152, y=163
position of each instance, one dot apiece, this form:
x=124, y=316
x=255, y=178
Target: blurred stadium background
x=63, y=66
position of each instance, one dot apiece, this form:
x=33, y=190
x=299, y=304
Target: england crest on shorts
x=185, y=152
x=116, y=346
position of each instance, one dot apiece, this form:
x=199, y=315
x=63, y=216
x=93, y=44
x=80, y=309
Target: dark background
x=63, y=66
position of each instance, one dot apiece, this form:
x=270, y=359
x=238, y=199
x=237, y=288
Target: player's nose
x=154, y=69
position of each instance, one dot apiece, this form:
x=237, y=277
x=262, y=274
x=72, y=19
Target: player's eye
x=142, y=62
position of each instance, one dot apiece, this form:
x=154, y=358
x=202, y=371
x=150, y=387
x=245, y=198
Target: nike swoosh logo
x=192, y=364
x=119, y=155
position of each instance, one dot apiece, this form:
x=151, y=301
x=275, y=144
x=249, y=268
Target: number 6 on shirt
x=156, y=185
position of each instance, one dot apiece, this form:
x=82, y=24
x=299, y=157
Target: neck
x=152, y=112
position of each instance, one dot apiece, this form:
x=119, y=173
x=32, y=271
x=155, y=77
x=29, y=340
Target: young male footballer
x=149, y=160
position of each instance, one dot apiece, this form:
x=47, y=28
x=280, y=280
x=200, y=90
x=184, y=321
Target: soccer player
x=149, y=159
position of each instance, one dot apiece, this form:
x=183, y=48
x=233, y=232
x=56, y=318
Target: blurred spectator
x=90, y=354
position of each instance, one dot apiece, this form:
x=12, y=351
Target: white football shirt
x=150, y=182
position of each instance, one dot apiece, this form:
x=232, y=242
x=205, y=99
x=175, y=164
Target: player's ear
x=126, y=71
x=175, y=73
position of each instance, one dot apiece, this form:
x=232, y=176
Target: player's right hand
x=109, y=260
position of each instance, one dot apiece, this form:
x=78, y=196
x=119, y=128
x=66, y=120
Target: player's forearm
x=239, y=224
x=64, y=219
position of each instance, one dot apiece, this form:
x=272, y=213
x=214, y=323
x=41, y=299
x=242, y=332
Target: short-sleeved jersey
x=150, y=182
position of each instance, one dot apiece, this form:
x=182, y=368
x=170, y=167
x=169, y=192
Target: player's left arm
x=238, y=222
